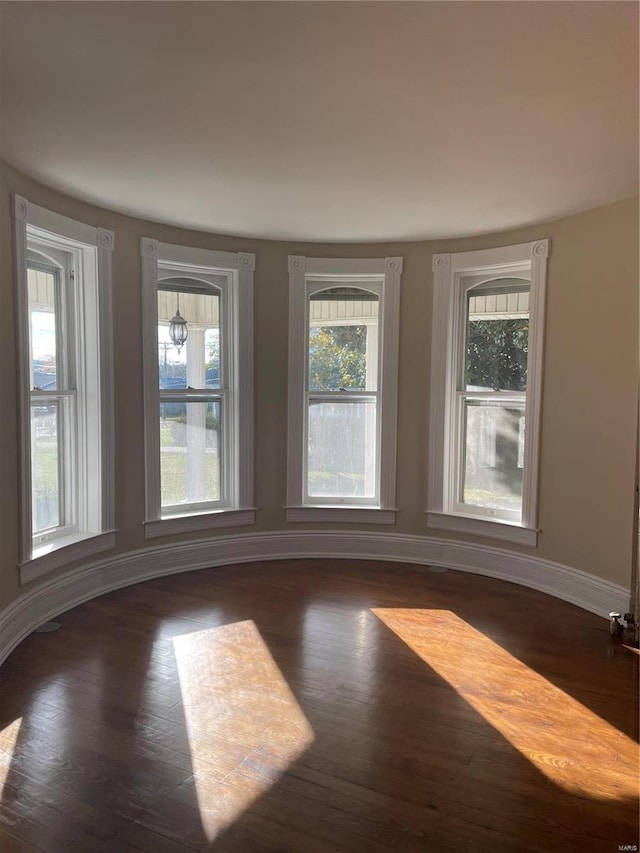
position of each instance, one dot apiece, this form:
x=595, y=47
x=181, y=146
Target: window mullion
x=343, y=396
x=504, y=396
x=39, y=396
x=192, y=395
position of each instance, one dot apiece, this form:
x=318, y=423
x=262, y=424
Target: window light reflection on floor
x=244, y=725
x=8, y=738
x=524, y=707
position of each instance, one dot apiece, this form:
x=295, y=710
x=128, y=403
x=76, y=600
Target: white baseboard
x=82, y=584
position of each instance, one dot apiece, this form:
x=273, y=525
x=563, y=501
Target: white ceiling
x=326, y=121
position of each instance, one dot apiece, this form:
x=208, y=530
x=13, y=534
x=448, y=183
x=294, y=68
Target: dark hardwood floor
x=316, y=707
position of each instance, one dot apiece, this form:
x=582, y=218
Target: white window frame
x=161, y=261
x=82, y=255
x=49, y=253
x=453, y=274
x=308, y=275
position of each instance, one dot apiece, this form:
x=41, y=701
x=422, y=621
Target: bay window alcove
x=198, y=361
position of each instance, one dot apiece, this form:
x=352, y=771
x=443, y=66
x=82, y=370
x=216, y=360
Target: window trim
x=238, y=268
x=448, y=271
x=304, y=275
x=93, y=248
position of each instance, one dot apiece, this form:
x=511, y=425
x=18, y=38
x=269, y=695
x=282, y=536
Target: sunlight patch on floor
x=244, y=725
x=529, y=711
x=8, y=738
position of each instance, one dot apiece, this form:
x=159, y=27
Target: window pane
x=197, y=362
x=190, y=467
x=43, y=328
x=45, y=467
x=494, y=443
x=343, y=340
x=497, y=336
x=342, y=449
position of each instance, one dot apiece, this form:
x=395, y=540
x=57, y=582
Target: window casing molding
x=453, y=274
x=80, y=257
x=231, y=275
x=380, y=276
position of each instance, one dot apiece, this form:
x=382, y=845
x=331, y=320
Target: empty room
x=319, y=434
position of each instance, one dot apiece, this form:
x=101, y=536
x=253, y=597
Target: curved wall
x=588, y=445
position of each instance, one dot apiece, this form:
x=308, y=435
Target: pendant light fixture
x=178, y=331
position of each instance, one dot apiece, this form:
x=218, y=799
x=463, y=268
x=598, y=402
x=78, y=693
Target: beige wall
x=590, y=382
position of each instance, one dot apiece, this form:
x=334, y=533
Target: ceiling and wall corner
x=334, y=122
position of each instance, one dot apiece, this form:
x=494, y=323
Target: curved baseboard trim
x=51, y=599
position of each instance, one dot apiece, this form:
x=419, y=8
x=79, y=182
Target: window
x=198, y=388
x=343, y=352
x=486, y=390
x=53, y=391
x=63, y=275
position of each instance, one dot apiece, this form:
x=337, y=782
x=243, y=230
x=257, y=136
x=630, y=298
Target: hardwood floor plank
x=10, y=844
x=135, y=838
x=320, y=707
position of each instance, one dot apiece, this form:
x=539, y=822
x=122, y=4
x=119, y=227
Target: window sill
x=54, y=554
x=199, y=521
x=340, y=512
x=484, y=527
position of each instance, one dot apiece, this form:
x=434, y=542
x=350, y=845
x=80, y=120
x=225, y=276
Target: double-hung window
x=198, y=388
x=63, y=275
x=53, y=391
x=343, y=388
x=486, y=391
